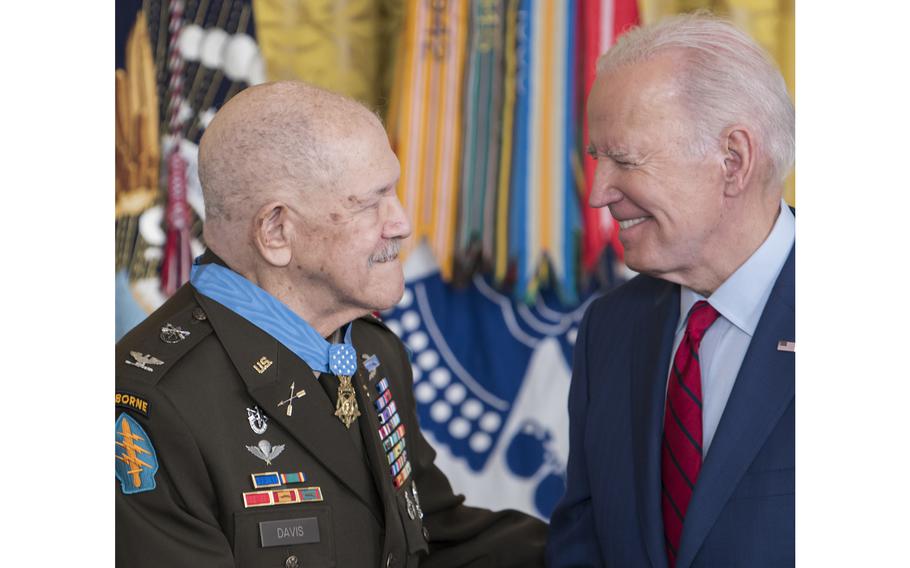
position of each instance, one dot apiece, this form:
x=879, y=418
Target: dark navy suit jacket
x=742, y=510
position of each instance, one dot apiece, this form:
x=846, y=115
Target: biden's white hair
x=727, y=79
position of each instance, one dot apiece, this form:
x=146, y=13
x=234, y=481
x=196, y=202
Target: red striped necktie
x=681, y=452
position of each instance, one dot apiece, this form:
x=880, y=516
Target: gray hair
x=728, y=79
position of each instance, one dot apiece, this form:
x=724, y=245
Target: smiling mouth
x=629, y=223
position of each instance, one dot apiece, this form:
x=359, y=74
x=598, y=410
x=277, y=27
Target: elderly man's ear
x=739, y=160
x=273, y=233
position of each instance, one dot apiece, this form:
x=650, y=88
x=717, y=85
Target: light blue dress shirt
x=740, y=300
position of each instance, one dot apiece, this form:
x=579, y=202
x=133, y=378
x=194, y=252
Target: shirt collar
x=741, y=298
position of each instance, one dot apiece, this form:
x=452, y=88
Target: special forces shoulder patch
x=137, y=462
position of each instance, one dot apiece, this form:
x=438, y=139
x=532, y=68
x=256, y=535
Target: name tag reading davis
x=290, y=531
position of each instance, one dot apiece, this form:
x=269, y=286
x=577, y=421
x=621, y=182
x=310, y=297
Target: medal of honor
x=343, y=364
x=346, y=409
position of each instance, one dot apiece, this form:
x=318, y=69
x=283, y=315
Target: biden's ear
x=739, y=160
x=272, y=233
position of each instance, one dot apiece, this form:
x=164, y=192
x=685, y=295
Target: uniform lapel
x=763, y=390
x=312, y=423
x=650, y=363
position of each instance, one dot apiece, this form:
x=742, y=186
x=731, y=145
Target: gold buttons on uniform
x=292, y=562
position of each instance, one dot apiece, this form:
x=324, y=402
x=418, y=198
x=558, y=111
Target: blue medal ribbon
x=269, y=314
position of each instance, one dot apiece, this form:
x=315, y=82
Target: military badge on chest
x=391, y=430
x=275, y=488
x=265, y=451
x=259, y=422
x=343, y=364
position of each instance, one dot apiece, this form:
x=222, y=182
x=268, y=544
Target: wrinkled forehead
x=636, y=100
x=361, y=158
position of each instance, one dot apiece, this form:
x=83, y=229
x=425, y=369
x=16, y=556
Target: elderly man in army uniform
x=264, y=417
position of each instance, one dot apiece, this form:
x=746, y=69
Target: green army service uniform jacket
x=194, y=397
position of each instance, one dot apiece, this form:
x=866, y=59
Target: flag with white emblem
x=491, y=380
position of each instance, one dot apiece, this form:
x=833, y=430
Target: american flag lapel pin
x=789, y=346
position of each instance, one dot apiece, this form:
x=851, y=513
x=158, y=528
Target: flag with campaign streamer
x=486, y=116
x=491, y=381
x=177, y=62
x=426, y=122
x=602, y=24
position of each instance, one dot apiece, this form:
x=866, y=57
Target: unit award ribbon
x=343, y=364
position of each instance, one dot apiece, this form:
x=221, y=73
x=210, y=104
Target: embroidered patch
x=131, y=401
x=137, y=462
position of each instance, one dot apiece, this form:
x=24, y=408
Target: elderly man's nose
x=397, y=224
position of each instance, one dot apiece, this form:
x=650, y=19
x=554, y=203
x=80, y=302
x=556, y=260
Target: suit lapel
x=650, y=363
x=312, y=422
x=763, y=390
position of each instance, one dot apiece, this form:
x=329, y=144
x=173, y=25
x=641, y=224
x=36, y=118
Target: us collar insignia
x=143, y=361
x=137, y=462
x=172, y=334
x=370, y=363
x=259, y=422
x=261, y=365
x=343, y=364
x=290, y=400
x=265, y=451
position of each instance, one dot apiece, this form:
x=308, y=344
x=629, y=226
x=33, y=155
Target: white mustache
x=387, y=253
